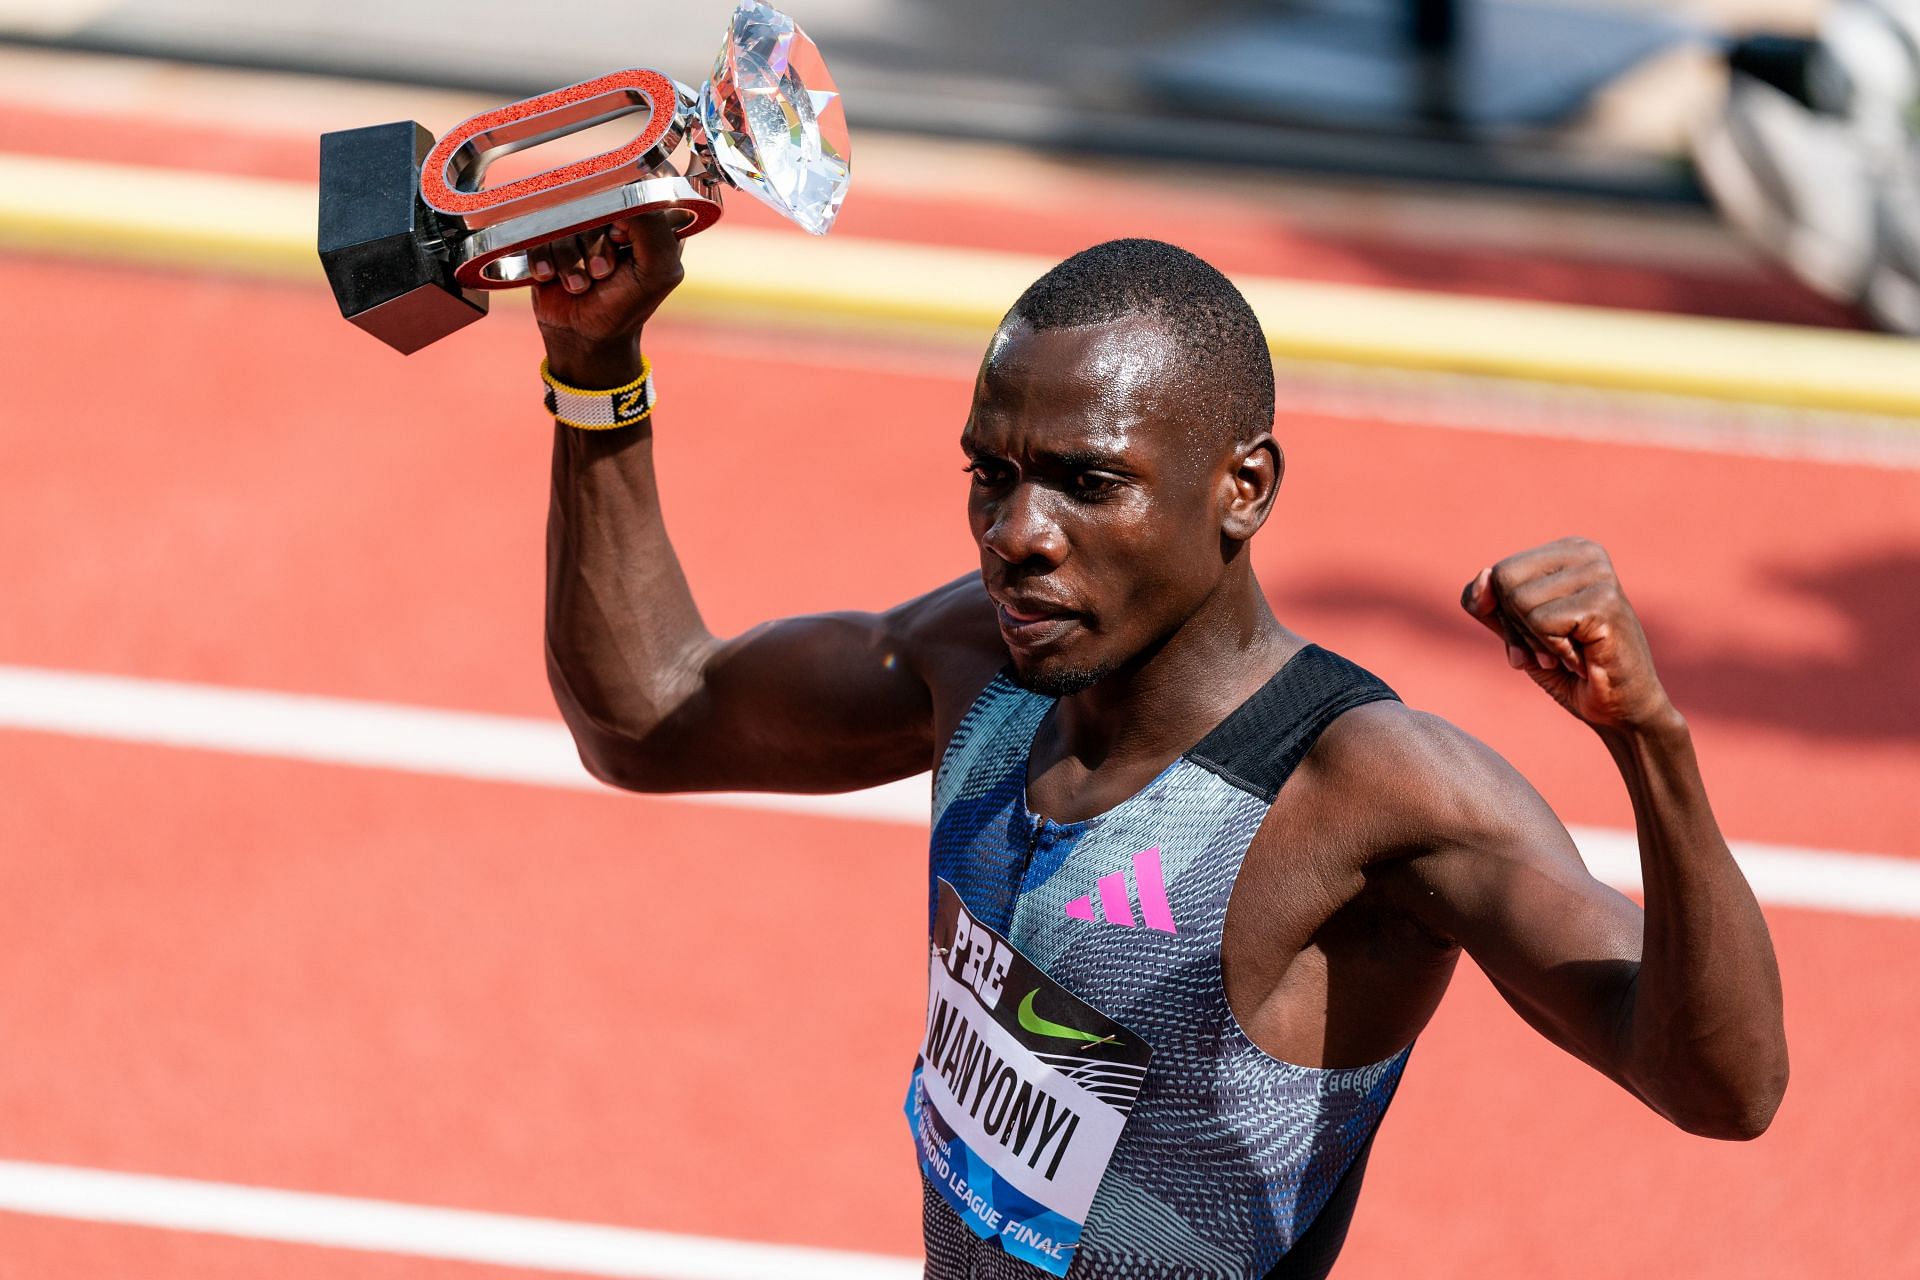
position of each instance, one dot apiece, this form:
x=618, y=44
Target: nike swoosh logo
x=1041, y=1027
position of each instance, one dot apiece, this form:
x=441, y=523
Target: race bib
x=1020, y=1093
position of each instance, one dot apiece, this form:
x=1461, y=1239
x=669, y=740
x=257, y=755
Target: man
x=1120, y=1074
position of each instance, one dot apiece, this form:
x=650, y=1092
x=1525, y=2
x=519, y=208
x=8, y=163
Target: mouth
x=1030, y=624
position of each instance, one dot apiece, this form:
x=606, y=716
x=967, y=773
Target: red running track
x=1082, y=206
x=603, y=1008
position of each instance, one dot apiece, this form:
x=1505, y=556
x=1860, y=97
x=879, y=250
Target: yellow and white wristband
x=600, y=410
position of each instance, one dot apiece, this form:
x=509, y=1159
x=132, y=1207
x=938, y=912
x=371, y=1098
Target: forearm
x=1701, y=1035
x=625, y=642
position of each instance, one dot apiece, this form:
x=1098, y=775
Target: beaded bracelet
x=600, y=410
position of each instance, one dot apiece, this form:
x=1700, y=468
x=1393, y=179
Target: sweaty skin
x=1113, y=524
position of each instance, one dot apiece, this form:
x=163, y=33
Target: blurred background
x=325, y=958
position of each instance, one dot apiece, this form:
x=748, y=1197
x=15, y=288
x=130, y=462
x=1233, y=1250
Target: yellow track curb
x=266, y=227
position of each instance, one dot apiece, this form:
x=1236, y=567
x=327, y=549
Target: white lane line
x=376, y=735
x=384, y=1226
x=1862, y=884
x=493, y=748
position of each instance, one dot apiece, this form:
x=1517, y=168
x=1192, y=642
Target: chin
x=1058, y=679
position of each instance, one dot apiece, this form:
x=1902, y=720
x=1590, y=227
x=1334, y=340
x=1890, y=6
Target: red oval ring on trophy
x=450, y=176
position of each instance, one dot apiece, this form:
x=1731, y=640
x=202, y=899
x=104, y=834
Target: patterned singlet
x=1229, y=1164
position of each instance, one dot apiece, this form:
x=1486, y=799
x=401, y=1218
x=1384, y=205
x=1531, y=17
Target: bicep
x=1559, y=946
x=1503, y=879
x=824, y=702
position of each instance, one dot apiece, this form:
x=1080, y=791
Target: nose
x=1022, y=528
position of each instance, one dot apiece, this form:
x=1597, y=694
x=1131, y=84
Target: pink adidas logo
x=1115, y=904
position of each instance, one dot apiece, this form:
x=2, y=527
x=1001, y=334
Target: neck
x=1166, y=700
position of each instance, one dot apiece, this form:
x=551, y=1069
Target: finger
x=1477, y=599
x=1543, y=564
x=1555, y=651
x=1580, y=618
x=1518, y=655
x=1524, y=653
x=1472, y=595
x=540, y=264
x=654, y=236
x=617, y=232
x=1550, y=647
x=1528, y=594
x=1520, y=584
x=1577, y=616
x=599, y=254
x=1511, y=571
x=1541, y=649
x=570, y=263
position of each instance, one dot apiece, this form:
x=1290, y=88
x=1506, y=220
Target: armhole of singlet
x=1263, y=741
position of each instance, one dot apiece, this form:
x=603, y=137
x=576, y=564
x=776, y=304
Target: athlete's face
x=1098, y=502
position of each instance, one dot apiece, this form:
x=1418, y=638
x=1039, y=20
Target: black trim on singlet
x=1260, y=744
x=1256, y=749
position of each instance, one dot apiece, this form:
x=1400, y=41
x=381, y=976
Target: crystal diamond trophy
x=411, y=260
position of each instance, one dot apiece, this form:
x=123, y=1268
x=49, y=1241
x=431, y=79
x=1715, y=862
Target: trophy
x=413, y=243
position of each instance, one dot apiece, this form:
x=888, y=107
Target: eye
x=986, y=474
x=1091, y=486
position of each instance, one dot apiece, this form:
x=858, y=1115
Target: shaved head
x=1225, y=367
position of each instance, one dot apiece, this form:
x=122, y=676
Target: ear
x=1254, y=471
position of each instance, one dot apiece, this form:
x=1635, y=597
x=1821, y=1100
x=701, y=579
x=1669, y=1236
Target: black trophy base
x=383, y=249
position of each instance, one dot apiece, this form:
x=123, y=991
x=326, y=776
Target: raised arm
x=1680, y=1004
x=655, y=701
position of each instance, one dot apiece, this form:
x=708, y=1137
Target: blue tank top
x=1229, y=1160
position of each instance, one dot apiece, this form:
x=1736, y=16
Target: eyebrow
x=1074, y=459
x=1082, y=459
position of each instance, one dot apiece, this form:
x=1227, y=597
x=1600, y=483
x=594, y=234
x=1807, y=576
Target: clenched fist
x=595, y=292
x=1565, y=621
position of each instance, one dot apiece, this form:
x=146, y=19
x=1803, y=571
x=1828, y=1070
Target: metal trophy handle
x=412, y=241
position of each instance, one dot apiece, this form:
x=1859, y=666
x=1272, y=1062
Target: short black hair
x=1198, y=305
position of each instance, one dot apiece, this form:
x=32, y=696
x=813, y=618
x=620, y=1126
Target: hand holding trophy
x=412, y=242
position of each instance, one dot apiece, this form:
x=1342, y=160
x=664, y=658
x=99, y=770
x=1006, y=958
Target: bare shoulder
x=950, y=637
x=1412, y=782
